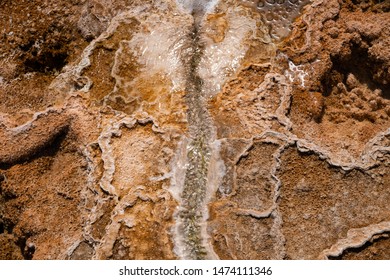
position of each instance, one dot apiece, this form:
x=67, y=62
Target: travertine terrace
x=180, y=129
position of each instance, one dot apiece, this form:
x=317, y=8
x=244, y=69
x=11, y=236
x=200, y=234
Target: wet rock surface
x=169, y=130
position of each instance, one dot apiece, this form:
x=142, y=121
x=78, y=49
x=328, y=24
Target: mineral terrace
x=183, y=129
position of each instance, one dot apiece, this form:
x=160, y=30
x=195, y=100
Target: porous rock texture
x=95, y=129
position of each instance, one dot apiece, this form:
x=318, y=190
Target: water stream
x=201, y=134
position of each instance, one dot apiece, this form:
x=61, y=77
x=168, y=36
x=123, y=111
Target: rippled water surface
x=279, y=14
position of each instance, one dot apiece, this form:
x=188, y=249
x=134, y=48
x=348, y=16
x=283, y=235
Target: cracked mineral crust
x=180, y=129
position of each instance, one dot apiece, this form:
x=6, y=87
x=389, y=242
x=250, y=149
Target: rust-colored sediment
x=93, y=121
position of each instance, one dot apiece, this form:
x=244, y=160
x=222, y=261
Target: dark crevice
x=25, y=47
x=46, y=149
x=26, y=249
x=1, y=226
x=52, y=147
x=361, y=66
x=28, y=253
x=8, y=226
x=7, y=195
x=46, y=53
x=52, y=60
x=367, y=5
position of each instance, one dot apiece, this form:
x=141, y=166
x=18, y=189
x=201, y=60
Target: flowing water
x=201, y=134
